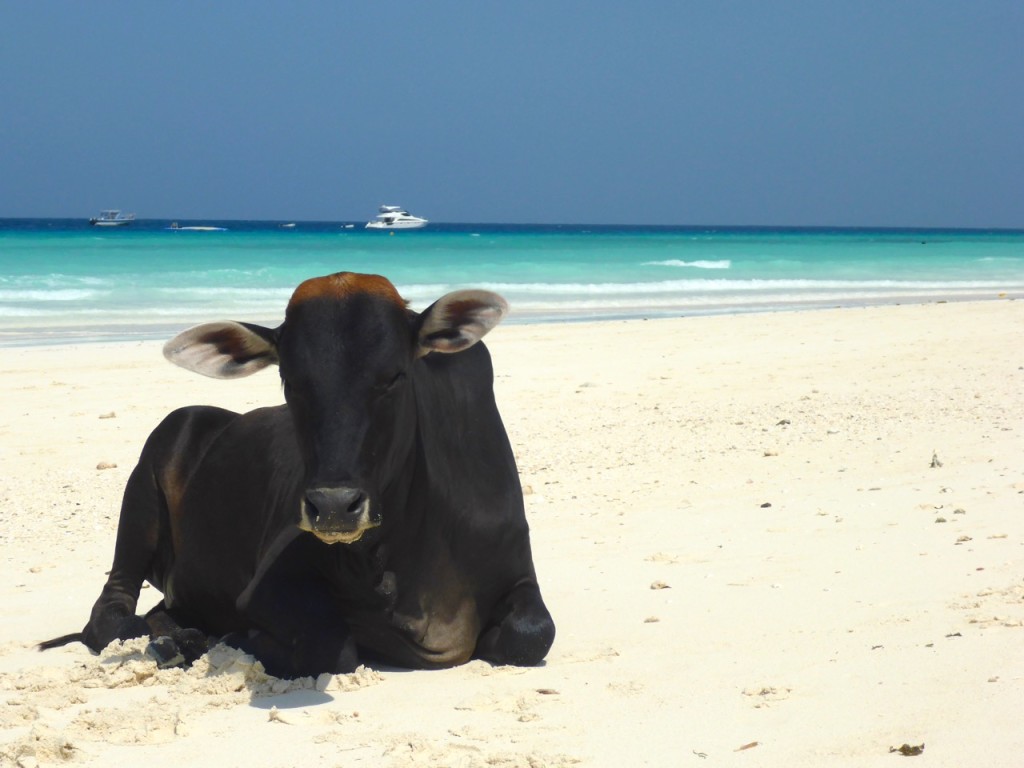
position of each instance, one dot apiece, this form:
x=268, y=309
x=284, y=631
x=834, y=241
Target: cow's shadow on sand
x=290, y=700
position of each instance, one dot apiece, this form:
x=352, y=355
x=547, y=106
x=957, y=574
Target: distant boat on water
x=176, y=227
x=288, y=226
x=112, y=218
x=395, y=217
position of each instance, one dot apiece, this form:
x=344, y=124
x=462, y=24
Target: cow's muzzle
x=336, y=515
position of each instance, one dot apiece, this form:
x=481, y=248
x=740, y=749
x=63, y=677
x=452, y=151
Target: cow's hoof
x=164, y=651
x=191, y=644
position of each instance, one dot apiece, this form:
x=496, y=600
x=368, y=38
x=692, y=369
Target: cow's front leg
x=521, y=630
x=297, y=628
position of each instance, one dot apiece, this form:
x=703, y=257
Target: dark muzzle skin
x=337, y=514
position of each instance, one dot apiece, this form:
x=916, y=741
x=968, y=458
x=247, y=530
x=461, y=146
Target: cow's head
x=346, y=352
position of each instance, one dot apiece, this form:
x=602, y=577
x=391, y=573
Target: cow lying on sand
x=377, y=513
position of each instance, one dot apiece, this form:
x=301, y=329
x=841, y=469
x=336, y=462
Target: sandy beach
x=786, y=539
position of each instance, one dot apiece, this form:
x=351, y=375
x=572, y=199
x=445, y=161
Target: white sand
x=877, y=601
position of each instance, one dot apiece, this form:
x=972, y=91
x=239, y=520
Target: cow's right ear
x=224, y=350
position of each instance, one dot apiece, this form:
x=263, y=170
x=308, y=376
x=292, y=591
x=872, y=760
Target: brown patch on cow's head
x=342, y=285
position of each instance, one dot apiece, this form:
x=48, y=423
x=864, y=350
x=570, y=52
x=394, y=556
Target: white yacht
x=112, y=218
x=395, y=217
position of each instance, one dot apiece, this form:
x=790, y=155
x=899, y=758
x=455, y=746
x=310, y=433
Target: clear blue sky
x=820, y=112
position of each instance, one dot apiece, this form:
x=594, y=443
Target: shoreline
x=793, y=537
x=61, y=334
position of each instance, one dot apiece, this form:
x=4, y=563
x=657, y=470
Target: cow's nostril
x=356, y=505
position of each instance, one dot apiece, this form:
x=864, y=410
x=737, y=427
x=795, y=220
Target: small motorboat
x=112, y=218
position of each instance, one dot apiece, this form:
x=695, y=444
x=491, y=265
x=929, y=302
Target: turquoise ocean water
x=62, y=281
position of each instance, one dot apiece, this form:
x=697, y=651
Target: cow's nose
x=335, y=505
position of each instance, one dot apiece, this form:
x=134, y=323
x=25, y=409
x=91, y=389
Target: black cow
x=379, y=509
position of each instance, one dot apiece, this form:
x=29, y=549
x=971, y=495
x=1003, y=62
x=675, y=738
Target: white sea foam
x=232, y=292
x=704, y=286
x=197, y=303
x=24, y=312
x=702, y=296
x=699, y=264
x=58, y=294
x=726, y=300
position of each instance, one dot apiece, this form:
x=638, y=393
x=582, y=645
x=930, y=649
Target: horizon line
x=851, y=227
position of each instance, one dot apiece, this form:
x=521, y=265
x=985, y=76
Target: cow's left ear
x=459, y=320
x=224, y=350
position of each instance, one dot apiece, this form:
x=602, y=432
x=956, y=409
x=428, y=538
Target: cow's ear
x=459, y=320
x=224, y=350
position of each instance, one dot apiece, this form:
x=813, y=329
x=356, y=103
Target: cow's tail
x=57, y=642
